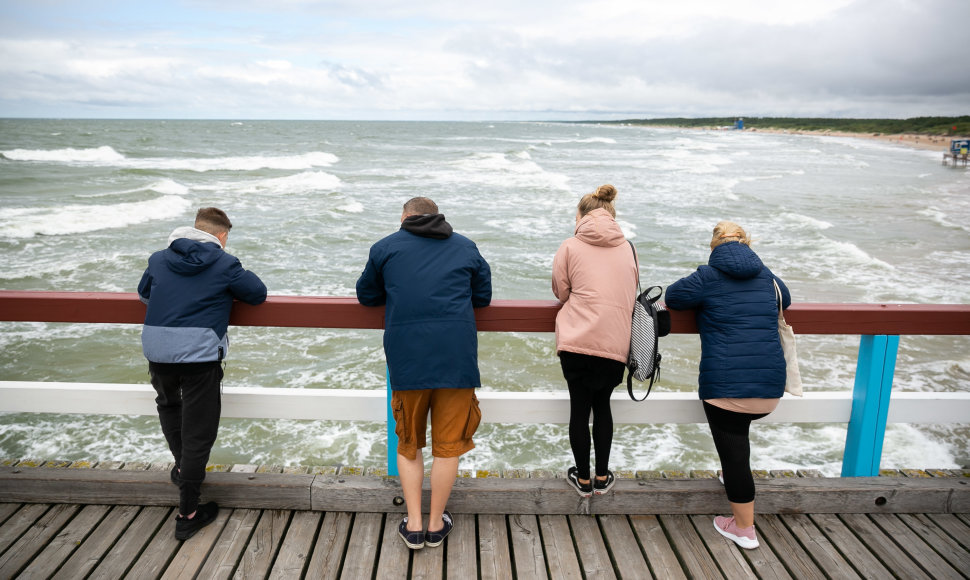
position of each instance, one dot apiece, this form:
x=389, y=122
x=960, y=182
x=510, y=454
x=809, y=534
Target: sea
x=83, y=203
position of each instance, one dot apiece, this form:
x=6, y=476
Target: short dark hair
x=212, y=220
x=420, y=205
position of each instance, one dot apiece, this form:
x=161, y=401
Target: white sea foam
x=806, y=221
x=100, y=155
x=499, y=169
x=298, y=183
x=75, y=219
x=107, y=156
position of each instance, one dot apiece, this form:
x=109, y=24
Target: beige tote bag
x=793, y=378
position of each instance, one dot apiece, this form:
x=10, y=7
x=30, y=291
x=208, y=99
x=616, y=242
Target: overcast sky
x=494, y=60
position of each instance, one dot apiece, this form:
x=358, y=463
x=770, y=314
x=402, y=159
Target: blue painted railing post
x=870, y=405
x=391, y=432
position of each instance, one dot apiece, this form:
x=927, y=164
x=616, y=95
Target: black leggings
x=591, y=380
x=730, y=432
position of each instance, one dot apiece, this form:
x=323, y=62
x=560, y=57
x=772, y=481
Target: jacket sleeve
x=246, y=286
x=560, y=275
x=370, y=285
x=145, y=287
x=481, y=283
x=686, y=293
x=785, y=293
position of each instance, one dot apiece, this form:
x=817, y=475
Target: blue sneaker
x=434, y=539
x=414, y=540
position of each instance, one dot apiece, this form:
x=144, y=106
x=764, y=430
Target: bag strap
x=778, y=296
x=629, y=386
x=637, y=262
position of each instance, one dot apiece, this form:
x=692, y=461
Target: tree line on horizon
x=919, y=125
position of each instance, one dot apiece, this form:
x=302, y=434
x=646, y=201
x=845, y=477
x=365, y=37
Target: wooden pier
x=78, y=520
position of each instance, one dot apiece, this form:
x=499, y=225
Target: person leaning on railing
x=430, y=280
x=189, y=288
x=742, y=368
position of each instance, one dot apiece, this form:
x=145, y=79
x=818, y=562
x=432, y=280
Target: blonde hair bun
x=605, y=192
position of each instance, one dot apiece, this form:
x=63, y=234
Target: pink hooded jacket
x=594, y=276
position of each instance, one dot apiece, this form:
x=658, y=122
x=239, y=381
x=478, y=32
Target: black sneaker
x=601, y=486
x=175, y=475
x=583, y=489
x=205, y=514
x=434, y=539
x=414, y=540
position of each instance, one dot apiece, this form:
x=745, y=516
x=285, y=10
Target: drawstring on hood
x=429, y=225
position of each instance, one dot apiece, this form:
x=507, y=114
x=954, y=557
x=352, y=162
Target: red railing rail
x=501, y=316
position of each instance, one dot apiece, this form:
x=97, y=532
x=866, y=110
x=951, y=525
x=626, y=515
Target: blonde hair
x=601, y=198
x=726, y=231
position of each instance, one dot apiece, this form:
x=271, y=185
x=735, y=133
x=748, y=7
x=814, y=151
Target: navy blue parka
x=737, y=318
x=430, y=279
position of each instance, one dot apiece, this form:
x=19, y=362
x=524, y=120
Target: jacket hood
x=736, y=260
x=429, y=225
x=598, y=228
x=191, y=251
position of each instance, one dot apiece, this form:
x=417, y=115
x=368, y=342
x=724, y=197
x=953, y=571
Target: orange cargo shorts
x=454, y=419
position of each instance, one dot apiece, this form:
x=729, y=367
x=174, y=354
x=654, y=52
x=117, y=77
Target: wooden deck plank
x=89, y=554
x=461, y=548
x=328, y=551
x=161, y=549
x=129, y=546
x=882, y=547
x=493, y=548
x=939, y=540
x=954, y=526
x=364, y=544
x=690, y=547
x=818, y=546
x=786, y=547
x=34, y=539
x=915, y=547
x=727, y=556
x=656, y=548
x=7, y=510
x=226, y=553
x=622, y=545
x=855, y=552
x=526, y=541
x=65, y=543
x=192, y=553
x=593, y=555
x=263, y=544
x=294, y=555
x=558, y=543
x=394, y=561
x=19, y=523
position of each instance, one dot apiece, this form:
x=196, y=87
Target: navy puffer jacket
x=430, y=280
x=737, y=318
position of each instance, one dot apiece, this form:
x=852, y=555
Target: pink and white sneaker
x=745, y=537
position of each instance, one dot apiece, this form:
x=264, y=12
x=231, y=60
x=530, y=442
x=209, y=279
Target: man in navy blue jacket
x=189, y=289
x=430, y=279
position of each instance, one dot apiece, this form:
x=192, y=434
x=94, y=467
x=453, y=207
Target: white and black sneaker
x=601, y=486
x=583, y=489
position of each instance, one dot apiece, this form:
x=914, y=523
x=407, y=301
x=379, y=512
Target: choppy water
x=83, y=204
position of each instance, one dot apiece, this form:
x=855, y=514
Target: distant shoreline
x=914, y=140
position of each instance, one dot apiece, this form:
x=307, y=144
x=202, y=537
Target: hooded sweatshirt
x=737, y=318
x=189, y=289
x=594, y=276
x=430, y=279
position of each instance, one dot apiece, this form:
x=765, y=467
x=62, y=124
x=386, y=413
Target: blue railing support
x=391, y=432
x=870, y=405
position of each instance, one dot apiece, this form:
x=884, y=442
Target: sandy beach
x=933, y=143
